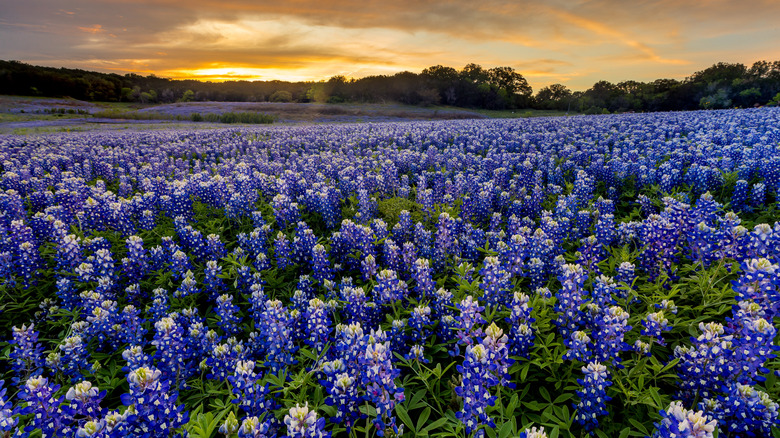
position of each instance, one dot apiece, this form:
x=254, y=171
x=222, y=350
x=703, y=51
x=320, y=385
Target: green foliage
x=281, y=96
x=390, y=208
x=188, y=96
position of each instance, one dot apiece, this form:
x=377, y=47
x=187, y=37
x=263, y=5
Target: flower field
x=613, y=276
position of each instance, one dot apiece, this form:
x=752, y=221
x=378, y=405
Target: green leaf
x=639, y=426
x=423, y=418
x=506, y=430
x=435, y=425
x=404, y=416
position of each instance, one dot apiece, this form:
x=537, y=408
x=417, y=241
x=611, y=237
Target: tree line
x=723, y=85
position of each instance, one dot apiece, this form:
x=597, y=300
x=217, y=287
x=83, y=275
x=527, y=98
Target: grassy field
x=522, y=113
x=32, y=115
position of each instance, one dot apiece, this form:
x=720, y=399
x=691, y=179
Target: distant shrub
x=231, y=117
x=281, y=96
x=133, y=115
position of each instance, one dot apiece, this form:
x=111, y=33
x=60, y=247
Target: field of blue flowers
x=613, y=276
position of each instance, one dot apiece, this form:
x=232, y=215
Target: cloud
x=95, y=29
x=578, y=41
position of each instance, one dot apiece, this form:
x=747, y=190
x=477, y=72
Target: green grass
x=27, y=117
x=522, y=113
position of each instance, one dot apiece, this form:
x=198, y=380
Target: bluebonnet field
x=613, y=275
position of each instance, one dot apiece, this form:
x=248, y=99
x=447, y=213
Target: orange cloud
x=615, y=35
x=96, y=29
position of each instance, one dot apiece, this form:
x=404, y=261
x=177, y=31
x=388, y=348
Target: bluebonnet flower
x=593, y=395
x=151, y=405
x=654, y=325
x=496, y=344
x=229, y=320
x=8, y=413
x=26, y=354
x=536, y=272
x=303, y=243
x=416, y=352
x=213, y=285
x=397, y=335
x=304, y=423
x=188, y=286
x=45, y=407
x=579, y=347
x=590, y=254
x=368, y=267
x=29, y=261
x=253, y=398
x=229, y=426
x=495, y=283
x=73, y=360
x=611, y=327
x=758, y=195
x=605, y=229
x=625, y=273
x=173, y=357
x=357, y=307
x=678, y=422
x=69, y=254
x=476, y=379
x=388, y=288
x=421, y=273
x=147, y=220
x=744, y=411
x=378, y=381
x=342, y=389
x=321, y=264
x=533, y=432
x=605, y=291
x=85, y=401
x=571, y=297
x=180, y=264
x=252, y=427
x=275, y=335
x=419, y=321
x=317, y=325
x=521, y=335
x=223, y=358
x=701, y=365
x=392, y=255
x=468, y=320
x=135, y=357
x=285, y=211
x=444, y=244
x=159, y=307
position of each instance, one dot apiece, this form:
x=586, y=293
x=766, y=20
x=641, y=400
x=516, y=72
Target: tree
x=555, y=96
x=281, y=96
x=444, y=80
x=188, y=96
x=474, y=73
x=513, y=84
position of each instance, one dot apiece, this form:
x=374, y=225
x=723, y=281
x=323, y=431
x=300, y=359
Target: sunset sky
x=572, y=42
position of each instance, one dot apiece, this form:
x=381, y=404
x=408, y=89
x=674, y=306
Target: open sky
x=574, y=42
